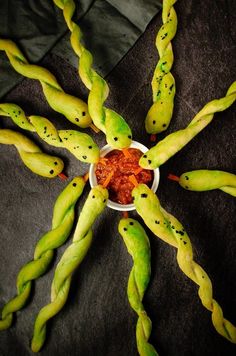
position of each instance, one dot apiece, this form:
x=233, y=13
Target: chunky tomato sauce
x=123, y=165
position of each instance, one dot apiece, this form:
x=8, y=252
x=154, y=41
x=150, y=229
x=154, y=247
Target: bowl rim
x=93, y=180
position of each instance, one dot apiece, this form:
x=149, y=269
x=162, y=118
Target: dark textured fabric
x=97, y=319
x=110, y=30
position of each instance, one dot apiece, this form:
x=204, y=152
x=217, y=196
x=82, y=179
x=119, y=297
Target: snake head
x=133, y=234
x=98, y=197
x=118, y=132
x=81, y=145
x=144, y=198
x=148, y=160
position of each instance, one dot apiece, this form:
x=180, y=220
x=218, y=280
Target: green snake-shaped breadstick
x=71, y=259
x=169, y=229
x=79, y=144
x=71, y=107
x=138, y=246
x=32, y=156
x=203, y=179
x=163, y=82
x=174, y=142
x=62, y=223
x=118, y=133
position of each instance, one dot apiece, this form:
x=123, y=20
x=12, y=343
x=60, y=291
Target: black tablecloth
x=97, y=319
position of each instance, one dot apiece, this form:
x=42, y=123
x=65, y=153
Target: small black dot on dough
x=90, y=147
x=93, y=196
x=51, y=171
x=125, y=229
x=186, y=186
x=55, y=163
x=74, y=184
x=186, y=177
x=130, y=136
x=131, y=223
x=184, y=242
x=84, y=157
x=149, y=161
x=19, y=112
x=76, y=119
x=143, y=195
x=164, y=125
x=157, y=222
x=154, y=121
x=144, y=156
x=22, y=122
x=115, y=138
x=83, y=113
x=203, y=277
x=104, y=200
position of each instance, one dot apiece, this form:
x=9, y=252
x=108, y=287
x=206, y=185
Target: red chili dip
x=123, y=164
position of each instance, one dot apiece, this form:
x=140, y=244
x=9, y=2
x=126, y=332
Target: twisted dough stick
x=163, y=82
x=71, y=259
x=79, y=144
x=169, y=229
x=62, y=223
x=138, y=246
x=118, y=133
x=203, y=179
x=74, y=109
x=32, y=156
x=173, y=143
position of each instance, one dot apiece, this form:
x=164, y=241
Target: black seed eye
x=164, y=125
x=51, y=171
x=131, y=223
x=104, y=201
x=157, y=222
x=55, y=163
x=84, y=157
x=93, y=196
x=143, y=195
x=74, y=184
x=83, y=113
x=125, y=229
x=76, y=119
x=144, y=156
x=149, y=161
x=115, y=138
x=130, y=136
x=90, y=147
x=154, y=121
x=186, y=177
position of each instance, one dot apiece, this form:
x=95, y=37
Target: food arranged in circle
x=124, y=175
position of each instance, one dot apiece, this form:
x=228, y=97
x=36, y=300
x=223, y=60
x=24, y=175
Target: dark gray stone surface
x=97, y=319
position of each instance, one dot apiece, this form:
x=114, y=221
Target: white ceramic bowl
x=93, y=180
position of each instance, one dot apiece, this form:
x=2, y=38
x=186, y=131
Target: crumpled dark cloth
x=97, y=319
x=110, y=30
